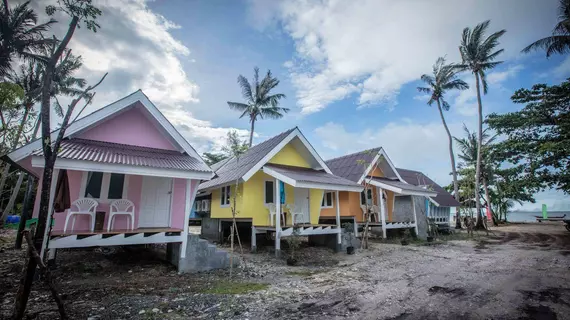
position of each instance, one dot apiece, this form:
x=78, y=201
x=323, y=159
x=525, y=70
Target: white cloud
x=372, y=47
x=135, y=46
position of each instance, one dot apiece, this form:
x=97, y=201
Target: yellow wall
x=217, y=211
x=251, y=203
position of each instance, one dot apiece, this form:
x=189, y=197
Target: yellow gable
x=289, y=156
x=377, y=172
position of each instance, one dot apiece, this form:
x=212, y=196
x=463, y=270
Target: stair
x=201, y=255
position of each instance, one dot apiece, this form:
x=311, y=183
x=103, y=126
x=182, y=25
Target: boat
x=551, y=218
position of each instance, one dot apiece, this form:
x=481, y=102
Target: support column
x=253, y=239
x=191, y=189
x=339, y=235
x=415, y=215
x=53, y=185
x=382, y=212
x=277, y=218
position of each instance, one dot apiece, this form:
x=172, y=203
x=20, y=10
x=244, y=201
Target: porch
x=304, y=213
x=80, y=239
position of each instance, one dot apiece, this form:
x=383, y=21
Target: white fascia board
x=383, y=153
x=386, y=186
x=280, y=176
x=369, y=168
x=433, y=201
x=80, y=165
x=295, y=133
x=311, y=185
x=402, y=191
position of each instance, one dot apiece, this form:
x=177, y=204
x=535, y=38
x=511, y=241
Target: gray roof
x=108, y=152
x=443, y=198
x=399, y=184
x=232, y=169
x=311, y=175
x=348, y=167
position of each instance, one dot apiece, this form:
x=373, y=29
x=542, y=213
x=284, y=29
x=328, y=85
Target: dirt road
x=519, y=272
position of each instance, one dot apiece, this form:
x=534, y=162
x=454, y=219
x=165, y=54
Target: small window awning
x=401, y=187
x=310, y=178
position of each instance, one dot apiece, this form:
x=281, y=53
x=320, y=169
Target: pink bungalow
x=125, y=163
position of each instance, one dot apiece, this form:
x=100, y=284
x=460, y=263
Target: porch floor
x=115, y=231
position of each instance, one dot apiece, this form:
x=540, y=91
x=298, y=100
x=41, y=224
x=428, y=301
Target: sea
x=530, y=216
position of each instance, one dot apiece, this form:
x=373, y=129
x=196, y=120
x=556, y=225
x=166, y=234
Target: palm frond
x=245, y=88
x=238, y=106
x=424, y=90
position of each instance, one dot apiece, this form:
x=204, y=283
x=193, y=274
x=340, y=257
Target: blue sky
x=349, y=68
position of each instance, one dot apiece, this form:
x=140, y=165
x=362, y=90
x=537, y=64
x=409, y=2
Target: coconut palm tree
x=444, y=78
x=21, y=35
x=469, y=151
x=478, y=55
x=559, y=41
x=259, y=103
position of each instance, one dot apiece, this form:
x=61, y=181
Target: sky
x=349, y=69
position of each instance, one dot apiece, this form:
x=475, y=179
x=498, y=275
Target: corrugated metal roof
x=348, y=167
x=443, y=198
x=232, y=169
x=116, y=153
x=311, y=175
x=399, y=184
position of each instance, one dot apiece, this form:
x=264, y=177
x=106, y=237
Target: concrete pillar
x=253, y=239
x=277, y=218
x=189, y=201
x=339, y=235
x=53, y=185
x=382, y=212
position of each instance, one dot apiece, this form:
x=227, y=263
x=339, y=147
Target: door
x=156, y=196
x=302, y=205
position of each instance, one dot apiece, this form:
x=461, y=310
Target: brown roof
x=116, y=153
x=232, y=170
x=309, y=175
x=443, y=198
x=348, y=167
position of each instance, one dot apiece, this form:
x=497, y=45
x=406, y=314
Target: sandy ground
x=517, y=272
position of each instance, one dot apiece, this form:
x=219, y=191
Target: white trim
x=295, y=133
x=332, y=199
x=383, y=153
x=339, y=236
x=434, y=202
x=382, y=211
x=96, y=117
x=310, y=185
x=81, y=165
x=191, y=190
x=402, y=191
x=171, y=204
x=53, y=186
x=97, y=240
x=415, y=216
x=277, y=219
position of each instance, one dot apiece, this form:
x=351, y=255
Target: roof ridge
x=354, y=153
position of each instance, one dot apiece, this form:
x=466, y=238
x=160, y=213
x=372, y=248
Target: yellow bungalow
x=280, y=187
x=393, y=202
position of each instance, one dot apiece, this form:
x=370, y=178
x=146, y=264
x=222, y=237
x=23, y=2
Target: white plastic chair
x=83, y=206
x=376, y=212
x=124, y=207
x=295, y=211
x=363, y=208
x=272, y=211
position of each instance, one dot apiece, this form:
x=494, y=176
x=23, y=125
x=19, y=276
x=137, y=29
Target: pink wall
x=130, y=127
x=82, y=223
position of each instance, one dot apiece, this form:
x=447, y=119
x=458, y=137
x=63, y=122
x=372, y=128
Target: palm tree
x=444, y=78
x=559, y=41
x=478, y=55
x=21, y=35
x=259, y=102
x=469, y=152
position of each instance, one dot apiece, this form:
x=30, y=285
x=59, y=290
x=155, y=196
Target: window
x=198, y=206
x=104, y=186
x=206, y=205
x=116, y=183
x=327, y=200
x=269, y=192
x=363, y=200
x=225, y=196
x=94, y=183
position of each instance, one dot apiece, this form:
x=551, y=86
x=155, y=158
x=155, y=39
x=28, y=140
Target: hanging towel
x=282, y=192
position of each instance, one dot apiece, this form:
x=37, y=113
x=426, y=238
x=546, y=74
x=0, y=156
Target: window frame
x=265, y=192
x=324, y=204
x=225, y=191
x=105, y=182
x=371, y=198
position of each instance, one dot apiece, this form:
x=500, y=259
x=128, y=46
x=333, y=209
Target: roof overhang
x=402, y=190
x=82, y=165
x=310, y=184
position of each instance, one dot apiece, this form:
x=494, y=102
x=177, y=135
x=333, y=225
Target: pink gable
x=131, y=127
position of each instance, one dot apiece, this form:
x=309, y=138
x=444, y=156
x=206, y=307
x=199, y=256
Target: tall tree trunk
x=453, y=170
x=26, y=210
x=26, y=283
x=488, y=201
x=480, y=224
x=251, y=131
